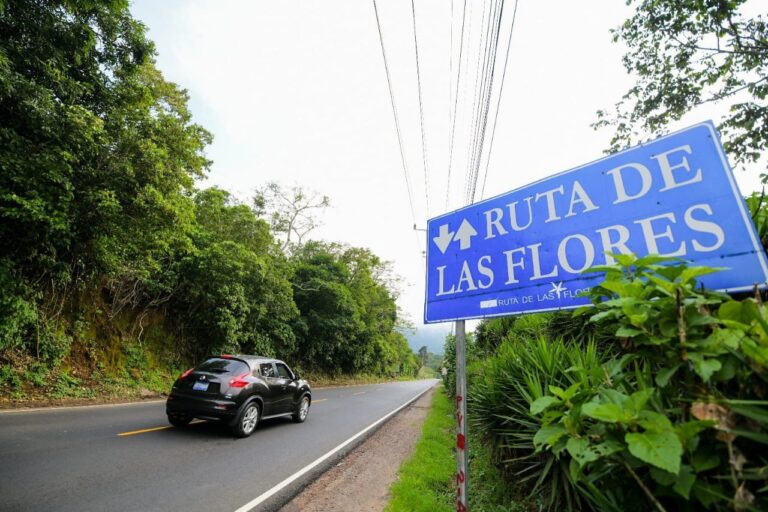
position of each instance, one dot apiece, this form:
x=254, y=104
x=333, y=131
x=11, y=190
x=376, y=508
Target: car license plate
x=200, y=386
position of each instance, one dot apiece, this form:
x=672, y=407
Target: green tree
x=688, y=53
x=234, y=289
x=348, y=312
x=98, y=155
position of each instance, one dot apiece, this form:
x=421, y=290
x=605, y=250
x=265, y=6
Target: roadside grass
x=425, y=480
x=488, y=491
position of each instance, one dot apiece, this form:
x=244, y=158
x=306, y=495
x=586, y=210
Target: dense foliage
x=688, y=53
x=109, y=249
x=661, y=406
x=684, y=412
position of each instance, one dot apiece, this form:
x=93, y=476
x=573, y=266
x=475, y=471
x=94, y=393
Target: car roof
x=255, y=359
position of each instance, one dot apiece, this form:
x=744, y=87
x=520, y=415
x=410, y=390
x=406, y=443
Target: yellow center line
x=321, y=400
x=153, y=429
x=359, y=393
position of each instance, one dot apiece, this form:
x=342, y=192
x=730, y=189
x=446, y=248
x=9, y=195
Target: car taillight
x=181, y=377
x=239, y=381
x=225, y=356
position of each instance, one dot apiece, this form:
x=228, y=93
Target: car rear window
x=218, y=365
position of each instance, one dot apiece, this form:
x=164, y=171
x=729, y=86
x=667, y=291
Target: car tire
x=302, y=409
x=179, y=420
x=247, y=420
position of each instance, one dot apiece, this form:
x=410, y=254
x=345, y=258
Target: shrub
x=503, y=389
x=681, y=422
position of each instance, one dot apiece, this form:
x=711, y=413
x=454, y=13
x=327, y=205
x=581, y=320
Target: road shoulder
x=361, y=480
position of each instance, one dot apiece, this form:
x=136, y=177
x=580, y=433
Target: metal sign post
x=462, y=471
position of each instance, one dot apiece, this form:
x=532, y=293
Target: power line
x=397, y=120
x=485, y=50
x=498, y=100
x=474, y=102
x=480, y=103
x=421, y=109
x=455, y=103
x=450, y=99
x=487, y=99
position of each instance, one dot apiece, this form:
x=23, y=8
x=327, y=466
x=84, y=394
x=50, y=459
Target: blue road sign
x=525, y=251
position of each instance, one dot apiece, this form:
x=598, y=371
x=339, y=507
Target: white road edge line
x=70, y=407
x=282, y=485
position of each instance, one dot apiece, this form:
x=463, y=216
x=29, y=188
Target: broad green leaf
x=724, y=339
x=572, y=390
x=671, y=272
x=608, y=412
x=625, y=260
x=758, y=353
x=662, y=378
x=602, y=315
x=663, y=285
x=558, y=392
x=660, y=449
x=608, y=448
x=654, y=421
x=743, y=312
x=616, y=287
x=627, y=332
x=653, y=259
x=709, y=493
x=580, y=450
x=665, y=478
x=695, y=319
x=638, y=399
x=615, y=397
x=694, y=272
x=704, y=367
x=551, y=416
x=616, y=366
x=687, y=430
x=704, y=461
x=574, y=470
x=548, y=436
x=685, y=480
x=600, y=268
x=543, y=403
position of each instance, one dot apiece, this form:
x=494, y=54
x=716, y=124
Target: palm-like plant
x=504, y=388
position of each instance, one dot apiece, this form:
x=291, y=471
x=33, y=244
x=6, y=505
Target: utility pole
x=462, y=470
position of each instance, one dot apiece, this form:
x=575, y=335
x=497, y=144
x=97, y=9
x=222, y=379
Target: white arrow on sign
x=444, y=239
x=464, y=235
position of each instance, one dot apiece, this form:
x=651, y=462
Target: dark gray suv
x=241, y=390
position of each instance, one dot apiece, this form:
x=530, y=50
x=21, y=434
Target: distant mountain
x=431, y=336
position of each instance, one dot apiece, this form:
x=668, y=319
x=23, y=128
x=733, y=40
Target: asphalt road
x=75, y=459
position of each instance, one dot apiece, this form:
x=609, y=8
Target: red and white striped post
x=462, y=471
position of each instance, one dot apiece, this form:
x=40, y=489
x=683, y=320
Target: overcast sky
x=295, y=92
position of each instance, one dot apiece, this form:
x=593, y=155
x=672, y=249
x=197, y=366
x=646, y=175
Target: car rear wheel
x=179, y=420
x=247, y=421
x=302, y=410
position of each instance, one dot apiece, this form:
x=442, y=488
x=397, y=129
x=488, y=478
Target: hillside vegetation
x=116, y=270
